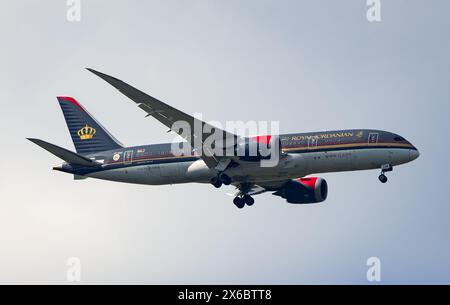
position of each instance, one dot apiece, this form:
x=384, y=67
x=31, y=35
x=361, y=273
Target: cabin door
x=128, y=157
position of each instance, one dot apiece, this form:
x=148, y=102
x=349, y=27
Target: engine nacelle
x=304, y=190
x=259, y=148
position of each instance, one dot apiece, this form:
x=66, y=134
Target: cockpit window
x=399, y=139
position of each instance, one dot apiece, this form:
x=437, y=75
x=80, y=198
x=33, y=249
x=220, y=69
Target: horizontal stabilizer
x=65, y=154
x=79, y=177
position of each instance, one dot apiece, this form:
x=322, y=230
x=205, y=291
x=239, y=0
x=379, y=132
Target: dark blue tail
x=88, y=135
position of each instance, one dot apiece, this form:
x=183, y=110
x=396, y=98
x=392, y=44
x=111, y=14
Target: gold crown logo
x=86, y=133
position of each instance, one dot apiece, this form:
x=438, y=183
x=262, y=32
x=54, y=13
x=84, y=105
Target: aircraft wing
x=168, y=115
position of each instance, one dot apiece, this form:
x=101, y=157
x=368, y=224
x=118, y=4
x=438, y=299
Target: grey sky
x=312, y=65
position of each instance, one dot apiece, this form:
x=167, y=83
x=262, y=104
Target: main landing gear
x=241, y=201
x=384, y=168
x=220, y=179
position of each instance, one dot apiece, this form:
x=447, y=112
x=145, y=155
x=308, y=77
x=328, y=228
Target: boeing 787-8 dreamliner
x=298, y=155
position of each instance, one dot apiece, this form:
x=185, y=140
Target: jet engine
x=304, y=190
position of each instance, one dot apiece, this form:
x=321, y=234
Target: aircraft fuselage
x=303, y=154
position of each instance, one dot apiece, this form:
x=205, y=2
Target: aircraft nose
x=413, y=154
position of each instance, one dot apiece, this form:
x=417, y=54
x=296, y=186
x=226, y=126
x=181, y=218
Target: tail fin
x=88, y=135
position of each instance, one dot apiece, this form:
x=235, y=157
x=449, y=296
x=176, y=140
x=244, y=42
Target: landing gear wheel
x=226, y=180
x=239, y=202
x=383, y=178
x=248, y=200
x=216, y=182
x=385, y=168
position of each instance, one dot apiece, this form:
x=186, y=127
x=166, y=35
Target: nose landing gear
x=382, y=178
x=384, y=168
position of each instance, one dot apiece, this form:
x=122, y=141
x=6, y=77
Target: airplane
x=300, y=155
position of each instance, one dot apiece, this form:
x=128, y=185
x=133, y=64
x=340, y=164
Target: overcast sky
x=311, y=65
